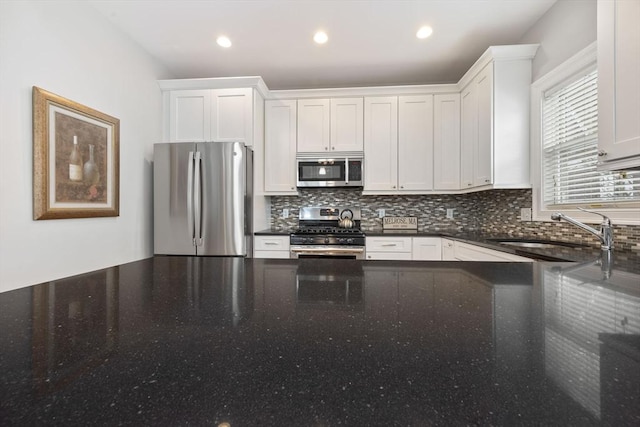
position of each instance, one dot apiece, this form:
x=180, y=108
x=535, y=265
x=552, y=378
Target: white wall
x=69, y=49
x=568, y=27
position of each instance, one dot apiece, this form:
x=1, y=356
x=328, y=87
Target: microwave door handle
x=346, y=171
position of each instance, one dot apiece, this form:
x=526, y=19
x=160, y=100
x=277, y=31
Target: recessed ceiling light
x=224, y=41
x=320, y=37
x=424, y=32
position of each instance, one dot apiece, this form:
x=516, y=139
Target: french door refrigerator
x=202, y=198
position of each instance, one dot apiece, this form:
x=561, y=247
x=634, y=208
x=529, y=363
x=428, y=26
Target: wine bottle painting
x=76, y=159
x=80, y=162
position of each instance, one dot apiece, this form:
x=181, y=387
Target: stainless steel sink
x=538, y=244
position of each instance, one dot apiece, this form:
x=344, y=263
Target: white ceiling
x=371, y=42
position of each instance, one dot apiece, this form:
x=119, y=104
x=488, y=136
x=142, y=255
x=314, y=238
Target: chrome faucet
x=606, y=228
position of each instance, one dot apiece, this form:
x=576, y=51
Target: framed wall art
x=75, y=159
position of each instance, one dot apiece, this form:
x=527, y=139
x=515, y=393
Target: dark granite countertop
x=274, y=232
x=175, y=340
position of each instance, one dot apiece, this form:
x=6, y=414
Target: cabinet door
x=313, y=125
x=619, y=81
x=232, y=115
x=189, y=115
x=347, y=127
x=415, y=142
x=468, y=135
x=427, y=249
x=446, y=142
x=448, y=250
x=389, y=248
x=280, y=147
x=381, y=143
x=483, y=150
x=467, y=252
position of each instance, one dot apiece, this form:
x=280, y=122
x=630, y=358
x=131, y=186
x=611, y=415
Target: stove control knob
x=326, y=240
x=349, y=240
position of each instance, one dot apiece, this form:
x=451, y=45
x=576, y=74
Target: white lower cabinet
x=467, y=252
x=426, y=248
x=271, y=246
x=389, y=248
x=404, y=248
x=448, y=250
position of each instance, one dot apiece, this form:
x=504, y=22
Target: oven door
x=345, y=252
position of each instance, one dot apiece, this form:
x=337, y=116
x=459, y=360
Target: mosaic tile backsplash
x=494, y=211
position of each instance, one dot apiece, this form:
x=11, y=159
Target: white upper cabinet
x=398, y=144
x=211, y=115
x=619, y=84
x=477, y=127
x=468, y=134
x=314, y=125
x=446, y=142
x=330, y=125
x=280, y=147
x=381, y=143
x=415, y=142
x=189, y=115
x=347, y=128
x=495, y=107
x=483, y=149
x=231, y=115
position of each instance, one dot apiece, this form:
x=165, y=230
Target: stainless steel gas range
x=332, y=232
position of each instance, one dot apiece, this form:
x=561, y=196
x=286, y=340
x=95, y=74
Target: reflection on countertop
x=186, y=340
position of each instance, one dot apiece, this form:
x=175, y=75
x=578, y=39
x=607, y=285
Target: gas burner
x=327, y=230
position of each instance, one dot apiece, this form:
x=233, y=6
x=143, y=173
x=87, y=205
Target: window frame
x=624, y=213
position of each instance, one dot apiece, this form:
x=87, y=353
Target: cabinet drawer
x=272, y=254
x=272, y=243
x=427, y=249
x=396, y=256
x=388, y=244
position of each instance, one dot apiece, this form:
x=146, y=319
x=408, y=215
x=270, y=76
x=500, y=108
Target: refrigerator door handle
x=190, y=198
x=197, y=205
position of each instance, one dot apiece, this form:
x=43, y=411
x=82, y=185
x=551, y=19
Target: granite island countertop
x=175, y=340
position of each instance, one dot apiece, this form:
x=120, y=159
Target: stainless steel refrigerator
x=202, y=199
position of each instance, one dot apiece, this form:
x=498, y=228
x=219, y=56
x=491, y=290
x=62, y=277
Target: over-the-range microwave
x=334, y=171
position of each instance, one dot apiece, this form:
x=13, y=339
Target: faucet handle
x=605, y=219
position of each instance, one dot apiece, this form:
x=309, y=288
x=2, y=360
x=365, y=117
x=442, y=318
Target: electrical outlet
x=285, y=213
x=525, y=214
x=450, y=213
x=380, y=213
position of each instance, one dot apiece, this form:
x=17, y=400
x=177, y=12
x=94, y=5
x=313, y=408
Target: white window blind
x=570, y=147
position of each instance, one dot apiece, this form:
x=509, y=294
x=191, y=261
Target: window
x=570, y=149
x=565, y=130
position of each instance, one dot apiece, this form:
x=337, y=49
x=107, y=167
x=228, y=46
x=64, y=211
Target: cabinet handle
x=487, y=180
x=602, y=153
x=333, y=148
x=326, y=148
x=388, y=244
x=270, y=243
x=393, y=186
x=402, y=186
x=468, y=184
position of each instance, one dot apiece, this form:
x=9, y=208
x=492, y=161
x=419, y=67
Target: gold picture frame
x=76, y=159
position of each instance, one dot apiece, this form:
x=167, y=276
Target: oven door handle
x=327, y=251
